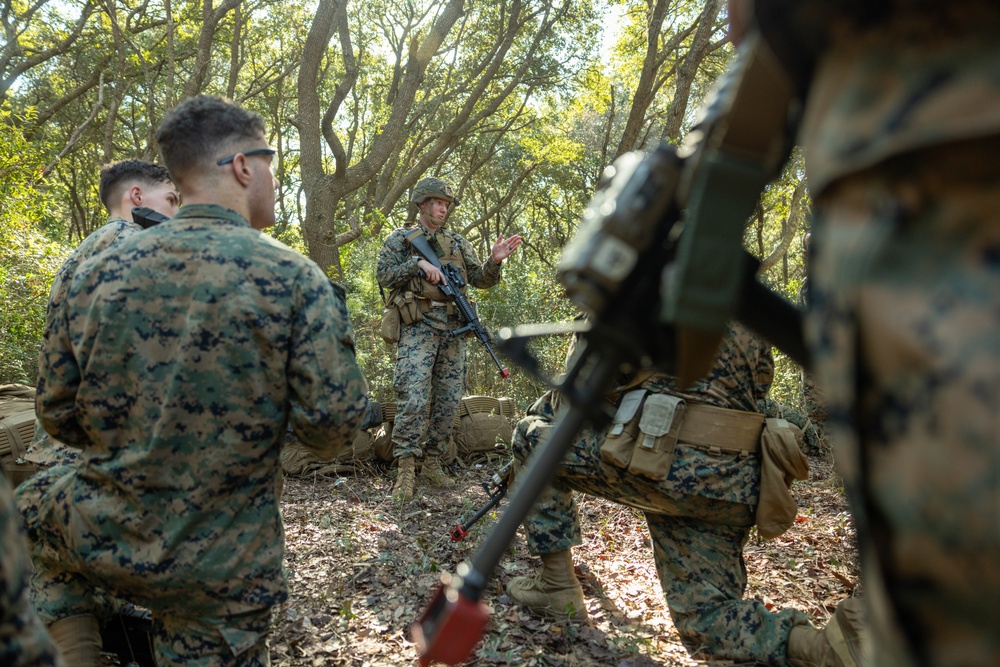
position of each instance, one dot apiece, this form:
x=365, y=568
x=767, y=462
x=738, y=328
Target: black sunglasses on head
x=249, y=153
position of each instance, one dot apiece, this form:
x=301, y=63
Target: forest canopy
x=520, y=104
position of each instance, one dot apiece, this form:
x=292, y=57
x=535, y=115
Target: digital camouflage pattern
x=905, y=327
x=699, y=518
x=812, y=439
x=175, y=364
x=905, y=332
x=430, y=364
x=44, y=451
x=430, y=377
x=111, y=235
x=201, y=642
x=24, y=642
x=925, y=77
x=397, y=266
x=433, y=187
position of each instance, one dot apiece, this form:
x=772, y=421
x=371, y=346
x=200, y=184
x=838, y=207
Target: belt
x=427, y=304
x=721, y=429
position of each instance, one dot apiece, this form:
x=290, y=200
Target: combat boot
x=842, y=643
x=78, y=639
x=434, y=473
x=402, y=491
x=554, y=591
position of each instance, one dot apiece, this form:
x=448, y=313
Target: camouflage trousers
x=430, y=378
x=905, y=328
x=45, y=451
x=23, y=639
x=697, y=547
x=63, y=587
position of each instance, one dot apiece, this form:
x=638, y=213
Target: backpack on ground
x=17, y=428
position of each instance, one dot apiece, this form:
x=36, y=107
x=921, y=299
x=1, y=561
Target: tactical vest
x=452, y=254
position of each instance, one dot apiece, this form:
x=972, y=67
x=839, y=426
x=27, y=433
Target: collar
x=210, y=211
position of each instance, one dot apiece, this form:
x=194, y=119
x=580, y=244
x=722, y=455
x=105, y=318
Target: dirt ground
x=361, y=569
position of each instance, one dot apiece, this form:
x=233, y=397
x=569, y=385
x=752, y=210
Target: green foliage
x=537, y=128
x=779, y=230
x=28, y=260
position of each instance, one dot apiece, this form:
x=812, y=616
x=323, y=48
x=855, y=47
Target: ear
x=135, y=195
x=241, y=170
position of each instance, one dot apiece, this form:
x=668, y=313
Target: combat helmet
x=426, y=188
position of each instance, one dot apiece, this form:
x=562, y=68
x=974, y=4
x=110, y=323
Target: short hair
x=199, y=127
x=116, y=175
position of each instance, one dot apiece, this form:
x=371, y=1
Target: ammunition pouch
x=407, y=303
x=390, y=328
x=782, y=462
x=644, y=433
x=647, y=427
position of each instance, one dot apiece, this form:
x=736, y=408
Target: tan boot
x=434, y=473
x=555, y=590
x=78, y=639
x=842, y=643
x=402, y=491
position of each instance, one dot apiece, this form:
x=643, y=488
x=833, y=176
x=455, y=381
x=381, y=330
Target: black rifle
x=629, y=266
x=496, y=489
x=147, y=217
x=452, y=289
x=128, y=634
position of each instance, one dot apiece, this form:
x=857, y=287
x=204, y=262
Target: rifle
x=495, y=488
x=128, y=634
x=452, y=289
x=147, y=217
x=631, y=267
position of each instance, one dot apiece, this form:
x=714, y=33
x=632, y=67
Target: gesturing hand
x=503, y=248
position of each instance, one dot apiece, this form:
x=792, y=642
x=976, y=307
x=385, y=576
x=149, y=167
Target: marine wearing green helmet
x=427, y=188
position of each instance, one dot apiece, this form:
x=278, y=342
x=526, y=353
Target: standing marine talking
x=430, y=362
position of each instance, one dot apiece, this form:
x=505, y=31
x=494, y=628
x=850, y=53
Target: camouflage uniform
x=45, y=452
x=699, y=518
x=811, y=440
x=902, y=132
x=175, y=363
x=24, y=641
x=430, y=363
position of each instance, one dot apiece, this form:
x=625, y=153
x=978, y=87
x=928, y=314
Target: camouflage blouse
x=175, y=363
x=397, y=265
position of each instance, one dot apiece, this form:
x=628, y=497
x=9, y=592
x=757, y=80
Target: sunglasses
x=249, y=153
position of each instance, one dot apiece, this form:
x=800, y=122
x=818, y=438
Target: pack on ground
x=484, y=427
x=17, y=428
x=297, y=460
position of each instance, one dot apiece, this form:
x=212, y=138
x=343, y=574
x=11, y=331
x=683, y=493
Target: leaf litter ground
x=362, y=567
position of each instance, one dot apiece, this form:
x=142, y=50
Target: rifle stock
x=147, y=217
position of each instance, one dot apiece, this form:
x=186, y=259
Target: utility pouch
x=409, y=310
x=659, y=428
x=782, y=462
x=618, y=443
x=390, y=325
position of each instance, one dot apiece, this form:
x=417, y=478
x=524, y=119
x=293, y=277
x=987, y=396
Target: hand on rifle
x=503, y=248
x=431, y=272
